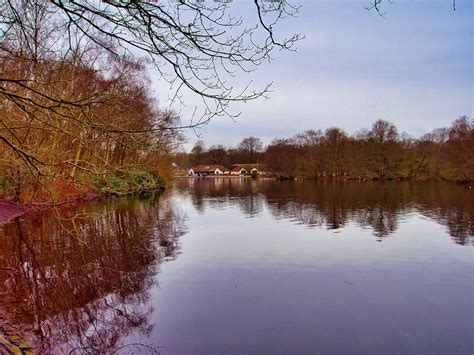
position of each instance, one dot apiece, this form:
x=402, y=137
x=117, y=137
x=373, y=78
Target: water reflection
x=83, y=281
x=214, y=192
x=333, y=205
x=87, y=282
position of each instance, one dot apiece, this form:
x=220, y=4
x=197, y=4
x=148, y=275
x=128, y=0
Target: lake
x=243, y=266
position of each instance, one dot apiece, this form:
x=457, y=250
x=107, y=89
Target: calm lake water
x=242, y=266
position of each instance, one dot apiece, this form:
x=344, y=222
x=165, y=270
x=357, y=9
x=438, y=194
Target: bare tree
x=377, y=5
x=197, y=152
x=383, y=131
x=195, y=46
x=251, y=146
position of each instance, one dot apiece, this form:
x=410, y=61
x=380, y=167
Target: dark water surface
x=242, y=266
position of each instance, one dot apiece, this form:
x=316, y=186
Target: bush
x=136, y=182
x=143, y=181
x=111, y=184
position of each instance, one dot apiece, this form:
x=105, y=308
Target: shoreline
x=224, y=176
x=330, y=178
x=10, y=210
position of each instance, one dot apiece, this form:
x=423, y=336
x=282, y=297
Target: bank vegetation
x=377, y=153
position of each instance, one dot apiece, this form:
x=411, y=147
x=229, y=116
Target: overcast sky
x=413, y=67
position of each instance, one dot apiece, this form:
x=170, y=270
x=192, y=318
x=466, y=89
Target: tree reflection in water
x=85, y=292
x=332, y=205
x=84, y=283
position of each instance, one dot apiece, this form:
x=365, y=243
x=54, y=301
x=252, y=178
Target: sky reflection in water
x=255, y=267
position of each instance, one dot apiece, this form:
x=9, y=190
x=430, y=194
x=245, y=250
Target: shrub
x=111, y=184
x=143, y=181
x=138, y=181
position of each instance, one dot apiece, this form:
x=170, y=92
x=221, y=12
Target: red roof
x=248, y=166
x=209, y=168
x=237, y=169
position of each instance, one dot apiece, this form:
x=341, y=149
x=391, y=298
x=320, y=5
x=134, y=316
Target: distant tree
x=429, y=150
x=199, y=147
x=197, y=152
x=461, y=129
x=251, y=146
x=281, y=157
x=383, y=149
x=311, y=150
x=234, y=156
x=335, y=142
x=458, y=153
x=217, y=154
x=383, y=131
x=438, y=135
x=308, y=138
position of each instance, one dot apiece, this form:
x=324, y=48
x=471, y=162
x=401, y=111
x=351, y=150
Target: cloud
x=413, y=67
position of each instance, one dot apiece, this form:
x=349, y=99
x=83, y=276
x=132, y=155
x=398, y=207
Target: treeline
x=380, y=152
x=250, y=150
